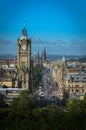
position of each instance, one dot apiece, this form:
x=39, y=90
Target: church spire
x=24, y=32
x=44, y=55
x=64, y=61
x=64, y=58
x=24, y=24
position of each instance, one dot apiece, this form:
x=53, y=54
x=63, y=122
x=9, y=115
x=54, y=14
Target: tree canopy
x=36, y=76
x=2, y=101
x=23, y=114
x=24, y=101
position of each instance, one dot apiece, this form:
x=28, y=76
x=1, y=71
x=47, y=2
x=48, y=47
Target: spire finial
x=24, y=32
x=24, y=23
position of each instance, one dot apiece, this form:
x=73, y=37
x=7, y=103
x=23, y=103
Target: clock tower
x=24, y=60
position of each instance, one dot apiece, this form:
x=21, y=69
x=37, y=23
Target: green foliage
x=40, y=119
x=1, y=97
x=24, y=101
x=76, y=105
x=36, y=76
x=24, y=115
x=72, y=104
x=2, y=102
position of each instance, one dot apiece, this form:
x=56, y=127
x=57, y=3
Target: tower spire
x=24, y=23
x=24, y=32
x=44, y=54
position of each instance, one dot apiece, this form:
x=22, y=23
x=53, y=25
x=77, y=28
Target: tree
x=36, y=76
x=24, y=101
x=2, y=102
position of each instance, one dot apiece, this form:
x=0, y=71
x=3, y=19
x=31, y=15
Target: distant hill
x=68, y=57
x=7, y=56
x=50, y=57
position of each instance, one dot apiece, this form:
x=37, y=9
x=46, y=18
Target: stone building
x=75, y=82
x=20, y=74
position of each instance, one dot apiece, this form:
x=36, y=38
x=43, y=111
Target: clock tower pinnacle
x=24, y=59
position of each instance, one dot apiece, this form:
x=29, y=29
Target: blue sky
x=57, y=25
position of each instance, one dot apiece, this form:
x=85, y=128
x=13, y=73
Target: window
x=83, y=90
x=77, y=85
x=77, y=90
x=84, y=77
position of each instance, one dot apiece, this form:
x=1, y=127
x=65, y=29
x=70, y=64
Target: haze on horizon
x=57, y=25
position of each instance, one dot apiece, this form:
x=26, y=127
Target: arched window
x=77, y=90
x=83, y=90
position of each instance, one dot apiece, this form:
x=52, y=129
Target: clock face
x=24, y=47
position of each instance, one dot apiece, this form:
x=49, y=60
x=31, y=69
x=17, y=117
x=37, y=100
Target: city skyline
x=57, y=25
